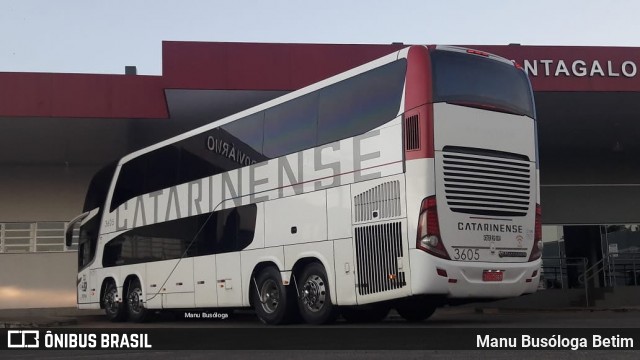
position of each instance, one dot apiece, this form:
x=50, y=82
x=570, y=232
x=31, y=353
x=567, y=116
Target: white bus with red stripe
x=409, y=182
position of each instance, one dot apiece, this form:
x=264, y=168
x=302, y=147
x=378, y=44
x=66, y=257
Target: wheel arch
x=127, y=283
x=256, y=270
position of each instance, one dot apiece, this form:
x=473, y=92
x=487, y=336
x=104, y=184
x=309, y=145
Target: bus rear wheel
x=415, y=309
x=135, y=305
x=269, y=297
x=314, y=300
x=113, y=309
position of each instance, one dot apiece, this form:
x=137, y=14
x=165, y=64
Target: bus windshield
x=476, y=81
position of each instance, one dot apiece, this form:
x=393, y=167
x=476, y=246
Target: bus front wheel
x=112, y=307
x=269, y=297
x=135, y=305
x=314, y=299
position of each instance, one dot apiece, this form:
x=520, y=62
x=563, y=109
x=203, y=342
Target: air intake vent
x=412, y=133
x=486, y=182
x=378, y=203
x=378, y=248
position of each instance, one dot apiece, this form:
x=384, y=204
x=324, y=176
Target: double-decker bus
x=409, y=182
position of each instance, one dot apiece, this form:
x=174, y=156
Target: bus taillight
x=477, y=52
x=536, y=252
x=428, y=238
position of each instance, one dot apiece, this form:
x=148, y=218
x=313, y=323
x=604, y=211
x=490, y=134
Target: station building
x=57, y=130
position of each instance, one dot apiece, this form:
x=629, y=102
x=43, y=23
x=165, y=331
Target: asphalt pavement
x=462, y=316
x=452, y=319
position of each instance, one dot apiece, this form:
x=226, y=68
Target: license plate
x=492, y=275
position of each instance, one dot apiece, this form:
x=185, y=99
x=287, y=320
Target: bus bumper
x=460, y=279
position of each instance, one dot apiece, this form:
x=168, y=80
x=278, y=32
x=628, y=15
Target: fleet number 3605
x=466, y=254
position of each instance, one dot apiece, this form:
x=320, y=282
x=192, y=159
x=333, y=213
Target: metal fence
x=559, y=271
x=26, y=237
x=622, y=269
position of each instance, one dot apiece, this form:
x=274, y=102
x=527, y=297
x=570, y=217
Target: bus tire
x=113, y=309
x=269, y=297
x=135, y=302
x=314, y=300
x=365, y=314
x=415, y=309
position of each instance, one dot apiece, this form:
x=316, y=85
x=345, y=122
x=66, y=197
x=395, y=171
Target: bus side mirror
x=68, y=236
x=68, y=232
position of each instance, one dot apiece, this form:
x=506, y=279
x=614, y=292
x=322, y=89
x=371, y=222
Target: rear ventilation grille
x=378, y=248
x=486, y=182
x=412, y=133
x=378, y=203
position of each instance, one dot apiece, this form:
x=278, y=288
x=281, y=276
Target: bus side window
x=291, y=127
x=249, y=132
x=113, y=252
x=130, y=181
x=147, y=173
x=361, y=103
x=205, y=244
x=236, y=228
x=230, y=232
x=162, y=169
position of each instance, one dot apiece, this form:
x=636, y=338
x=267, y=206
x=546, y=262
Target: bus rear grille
x=378, y=248
x=486, y=182
x=382, y=200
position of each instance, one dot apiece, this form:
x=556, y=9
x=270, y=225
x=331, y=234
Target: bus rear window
x=471, y=80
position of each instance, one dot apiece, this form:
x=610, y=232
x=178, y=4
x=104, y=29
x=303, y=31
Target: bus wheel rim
x=135, y=300
x=314, y=293
x=270, y=296
x=110, y=302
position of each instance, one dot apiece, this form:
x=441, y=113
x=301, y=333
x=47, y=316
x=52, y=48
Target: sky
x=103, y=36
